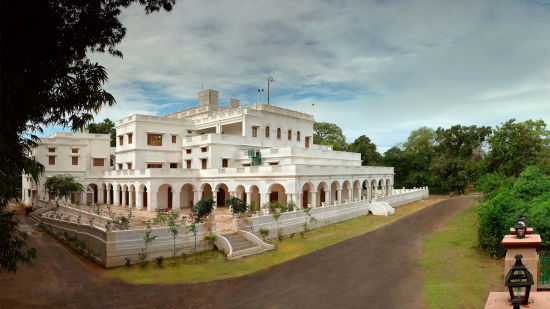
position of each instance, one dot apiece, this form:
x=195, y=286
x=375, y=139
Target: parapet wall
x=111, y=248
x=404, y=196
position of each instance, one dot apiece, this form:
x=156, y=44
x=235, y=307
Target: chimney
x=208, y=97
x=234, y=103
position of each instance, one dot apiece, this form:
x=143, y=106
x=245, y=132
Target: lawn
x=456, y=275
x=213, y=265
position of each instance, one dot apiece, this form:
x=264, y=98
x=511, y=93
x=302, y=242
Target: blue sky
x=379, y=68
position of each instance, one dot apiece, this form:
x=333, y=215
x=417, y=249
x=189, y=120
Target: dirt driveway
x=380, y=269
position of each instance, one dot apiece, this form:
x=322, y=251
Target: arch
x=104, y=188
x=277, y=193
x=267, y=131
x=92, y=195
x=206, y=189
x=254, y=192
x=164, y=197
x=222, y=193
x=307, y=190
x=187, y=196
x=334, y=187
x=289, y=135
x=278, y=133
x=346, y=196
x=241, y=193
x=298, y=136
x=143, y=195
x=322, y=193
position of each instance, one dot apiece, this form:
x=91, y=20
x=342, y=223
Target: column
x=328, y=198
x=350, y=195
x=248, y=198
x=233, y=193
x=131, y=198
x=151, y=200
x=123, y=202
x=197, y=194
x=100, y=196
x=116, y=197
x=359, y=194
x=215, y=197
x=299, y=200
x=313, y=199
x=339, y=200
x=265, y=200
x=175, y=199
x=109, y=196
x=84, y=198
x=139, y=197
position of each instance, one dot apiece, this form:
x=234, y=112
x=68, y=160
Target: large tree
x=367, y=149
x=456, y=160
x=325, y=133
x=48, y=79
x=104, y=127
x=515, y=145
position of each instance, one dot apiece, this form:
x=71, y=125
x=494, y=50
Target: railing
x=544, y=271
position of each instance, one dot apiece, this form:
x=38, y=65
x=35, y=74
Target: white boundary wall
x=293, y=222
x=110, y=248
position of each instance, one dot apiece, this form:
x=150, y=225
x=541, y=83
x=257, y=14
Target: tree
x=236, y=204
x=62, y=186
x=513, y=146
x=104, y=127
x=325, y=133
x=48, y=79
x=367, y=149
x=454, y=164
x=203, y=208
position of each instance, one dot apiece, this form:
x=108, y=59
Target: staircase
x=243, y=247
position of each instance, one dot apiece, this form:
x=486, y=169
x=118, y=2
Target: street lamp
x=519, y=277
x=521, y=226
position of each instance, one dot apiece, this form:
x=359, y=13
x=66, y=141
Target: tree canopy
x=62, y=185
x=48, y=79
x=104, y=127
x=325, y=133
x=367, y=149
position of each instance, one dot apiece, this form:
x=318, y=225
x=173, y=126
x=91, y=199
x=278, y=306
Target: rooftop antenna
x=202, y=86
x=312, y=109
x=263, y=96
x=269, y=81
x=258, y=95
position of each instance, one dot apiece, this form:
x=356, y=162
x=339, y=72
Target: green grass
x=213, y=266
x=456, y=275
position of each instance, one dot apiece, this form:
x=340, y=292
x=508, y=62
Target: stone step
x=248, y=252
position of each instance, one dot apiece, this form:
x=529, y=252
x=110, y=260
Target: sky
x=375, y=68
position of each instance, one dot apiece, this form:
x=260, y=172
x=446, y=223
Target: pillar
x=528, y=248
x=265, y=200
x=248, y=198
x=139, y=202
x=109, y=196
x=131, y=198
x=151, y=200
x=339, y=196
x=350, y=194
x=359, y=194
x=313, y=199
x=116, y=197
x=299, y=200
x=175, y=199
x=84, y=198
x=123, y=202
x=100, y=196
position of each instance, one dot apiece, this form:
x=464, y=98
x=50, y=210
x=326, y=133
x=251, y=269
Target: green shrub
x=203, y=208
x=264, y=232
x=531, y=183
x=159, y=260
x=236, y=204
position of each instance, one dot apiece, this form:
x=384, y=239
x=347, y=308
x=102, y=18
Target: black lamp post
x=519, y=277
x=521, y=226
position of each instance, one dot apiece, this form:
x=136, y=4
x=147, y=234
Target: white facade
x=174, y=160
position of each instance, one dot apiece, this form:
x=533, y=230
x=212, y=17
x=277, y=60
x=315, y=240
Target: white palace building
x=259, y=153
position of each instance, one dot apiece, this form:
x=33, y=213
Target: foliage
x=48, y=79
x=514, y=146
x=290, y=206
x=193, y=229
x=503, y=201
x=203, y=208
x=62, y=186
x=455, y=163
x=367, y=149
x=13, y=243
x=104, y=127
x=252, y=208
x=276, y=216
x=127, y=262
x=325, y=133
x=210, y=238
x=173, y=228
x=236, y=204
x=121, y=223
x=264, y=232
x=147, y=241
x=161, y=219
x=159, y=260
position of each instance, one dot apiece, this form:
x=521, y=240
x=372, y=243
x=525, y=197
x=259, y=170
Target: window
x=225, y=162
x=188, y=151
x=254, y=131
x=51, y=160
x=173, y=165
x=154, y=165
x=298, y=136
x=129, y=165
x=119, y=166
x=121, y=140
x=130, y=135
x=99, y=162
x=51, y=149
x=173, y=139
x=154, y=139
x=203, y=162
x=289, y=135
x=189, y=131
x=307, y=141
x=75, y=160
x=273, y=163
x=188, y=162
x=267, y=131
x=74, y=150
x=204, y=149
x=279, y=133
